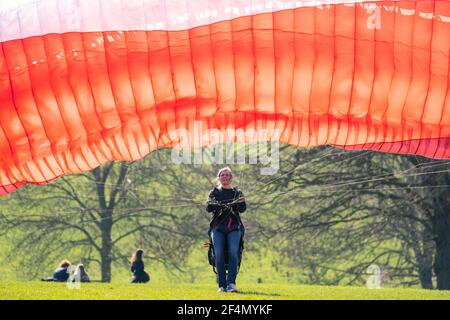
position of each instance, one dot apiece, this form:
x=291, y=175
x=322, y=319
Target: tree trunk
x=425, y=260
x=426, y=265
x=425, y=276
x=442, y=235
x=106, y=226
x=442, y=258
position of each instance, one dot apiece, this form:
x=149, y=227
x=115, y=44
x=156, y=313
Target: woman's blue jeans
x=233, y=239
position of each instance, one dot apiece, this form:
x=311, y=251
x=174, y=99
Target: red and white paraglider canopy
x=83, y=82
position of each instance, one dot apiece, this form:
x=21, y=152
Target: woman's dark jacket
x=224, y=218
x=61, y=274
x=139, y=275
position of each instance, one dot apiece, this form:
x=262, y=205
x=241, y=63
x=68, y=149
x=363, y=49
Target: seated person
x=61, y=274
x=137, y=268
x=80, y=274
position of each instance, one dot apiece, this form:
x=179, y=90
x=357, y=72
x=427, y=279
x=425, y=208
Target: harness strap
x=228, y=216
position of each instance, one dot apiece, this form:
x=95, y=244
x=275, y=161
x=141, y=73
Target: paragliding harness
x=226, y=208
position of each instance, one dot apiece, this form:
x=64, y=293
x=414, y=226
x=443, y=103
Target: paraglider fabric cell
x=87, y=82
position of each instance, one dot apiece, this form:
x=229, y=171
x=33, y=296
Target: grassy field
x=153, y=291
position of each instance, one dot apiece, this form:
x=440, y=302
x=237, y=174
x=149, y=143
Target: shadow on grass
x=256, y=293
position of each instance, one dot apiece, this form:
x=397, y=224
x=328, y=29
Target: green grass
x=158, y=291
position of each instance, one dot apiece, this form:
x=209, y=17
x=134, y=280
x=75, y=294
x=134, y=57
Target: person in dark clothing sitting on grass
x=137, y=268
x=61, y=274
x=80, y=274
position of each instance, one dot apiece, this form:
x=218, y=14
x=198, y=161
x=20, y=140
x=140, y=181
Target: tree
x=368, y=202
x=96, y=214
x=436, y=205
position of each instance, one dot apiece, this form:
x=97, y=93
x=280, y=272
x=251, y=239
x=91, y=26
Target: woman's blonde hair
x=219, y=172
x=137, y=255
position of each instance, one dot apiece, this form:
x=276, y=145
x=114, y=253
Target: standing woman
x=226, y=228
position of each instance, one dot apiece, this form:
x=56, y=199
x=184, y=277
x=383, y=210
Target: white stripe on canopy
x=25, y=18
